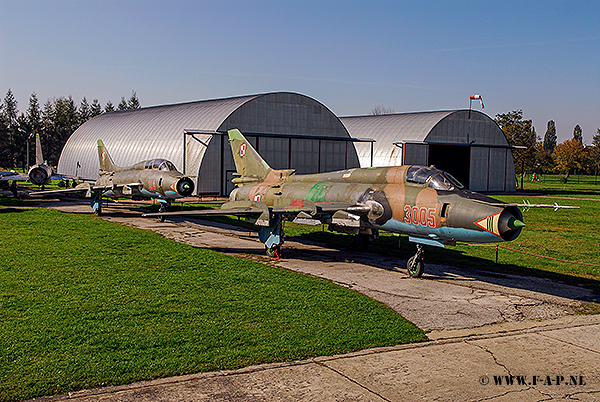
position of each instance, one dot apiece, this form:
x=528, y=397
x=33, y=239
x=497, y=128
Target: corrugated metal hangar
x=292, y=131
x=466, y=143
x=289, y=130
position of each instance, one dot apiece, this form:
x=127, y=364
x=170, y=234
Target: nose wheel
x=415, y=264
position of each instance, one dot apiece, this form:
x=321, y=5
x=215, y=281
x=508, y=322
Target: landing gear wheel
x=274, y=252
x=164, y=206
x=415, y=268
x=415, y=264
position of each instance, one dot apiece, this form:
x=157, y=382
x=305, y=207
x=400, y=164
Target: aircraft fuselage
x=139, y=181
x=430, y=207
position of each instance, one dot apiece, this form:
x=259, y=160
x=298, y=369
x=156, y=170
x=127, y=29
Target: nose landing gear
x=415, y=264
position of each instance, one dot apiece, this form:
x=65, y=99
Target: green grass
x=579, y=186
x=87, y=303
x=14, y=202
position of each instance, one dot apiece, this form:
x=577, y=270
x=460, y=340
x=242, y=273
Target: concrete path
x=560, y=361
x=484, y=328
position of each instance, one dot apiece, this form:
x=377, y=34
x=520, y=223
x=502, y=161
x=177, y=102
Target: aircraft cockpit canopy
x=438, y=179
x=160, y=164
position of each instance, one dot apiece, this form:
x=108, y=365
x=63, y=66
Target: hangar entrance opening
x=454, y=159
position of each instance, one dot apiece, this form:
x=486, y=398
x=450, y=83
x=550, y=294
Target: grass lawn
x=87, y=303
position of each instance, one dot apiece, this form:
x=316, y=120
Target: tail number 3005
x=419, y=216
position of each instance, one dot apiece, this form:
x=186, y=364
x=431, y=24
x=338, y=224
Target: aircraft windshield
x=438, y=179
x=419, y=174
x=160, y=164
x=444, y=181
x=166, y=165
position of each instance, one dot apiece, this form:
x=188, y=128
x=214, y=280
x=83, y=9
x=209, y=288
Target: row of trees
x=60, y=117
x=55, y=121
x=544, y=155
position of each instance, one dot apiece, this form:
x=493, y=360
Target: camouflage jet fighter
x=156, y=178
x=428, y=204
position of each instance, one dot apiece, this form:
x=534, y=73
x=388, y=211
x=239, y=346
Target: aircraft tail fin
x=248, y=163
x=39, y=158
x=106, y=162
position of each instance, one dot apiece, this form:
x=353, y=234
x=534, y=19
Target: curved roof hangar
x=467, y=143
x=160, y=132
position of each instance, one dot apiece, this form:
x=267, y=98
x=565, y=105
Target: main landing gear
x=415, y=264
x=96, y=203
x=272, y=237
x=164, y=206
x=361, y=241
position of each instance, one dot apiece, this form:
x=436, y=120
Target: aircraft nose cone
x=514, y=223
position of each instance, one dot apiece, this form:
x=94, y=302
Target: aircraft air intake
x=510, y=223
x=185, y=187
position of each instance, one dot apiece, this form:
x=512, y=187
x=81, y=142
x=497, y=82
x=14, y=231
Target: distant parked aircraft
x=155, y=179
x=39, y=174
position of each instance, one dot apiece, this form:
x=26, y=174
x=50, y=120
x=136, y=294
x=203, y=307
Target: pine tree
x=84, y=112
x=550, y=137
x=4, y=139
x=9, y=126
x=95, y=109
x=122, y=104
x=578, y=134
x=33, y=121
x=66, y=122
x=109, y=107
x=134, y=102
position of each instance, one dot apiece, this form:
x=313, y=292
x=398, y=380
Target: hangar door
x=454, y=159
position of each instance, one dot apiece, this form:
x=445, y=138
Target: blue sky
x=539, y=56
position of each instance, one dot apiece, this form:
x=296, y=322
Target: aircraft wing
x=239, y=208
x=13, y=176
x=343, y=213
x=62, y=177
x=250, y=208
x=80, y=188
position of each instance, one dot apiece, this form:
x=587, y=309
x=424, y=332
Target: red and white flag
x=479, y=98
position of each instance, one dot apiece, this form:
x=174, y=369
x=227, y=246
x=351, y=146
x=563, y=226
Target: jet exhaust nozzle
x=185, y=187
x=39, y=175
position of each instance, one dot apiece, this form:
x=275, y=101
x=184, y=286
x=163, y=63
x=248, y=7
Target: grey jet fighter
x=151, y=179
